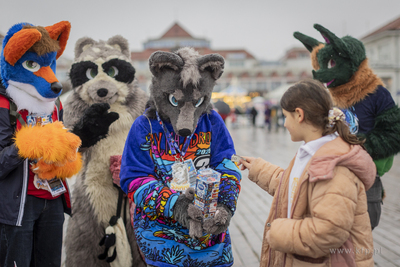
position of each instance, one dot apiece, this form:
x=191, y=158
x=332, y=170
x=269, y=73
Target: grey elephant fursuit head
x=181, y=86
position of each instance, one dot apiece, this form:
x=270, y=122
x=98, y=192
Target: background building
x=383, y=50
x=256, y=77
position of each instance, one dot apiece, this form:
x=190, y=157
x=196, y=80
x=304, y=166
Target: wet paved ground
x=247, y=225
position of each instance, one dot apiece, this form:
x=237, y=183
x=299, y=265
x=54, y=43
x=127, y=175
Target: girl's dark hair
x=314, y=99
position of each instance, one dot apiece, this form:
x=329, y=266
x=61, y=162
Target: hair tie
x=335, y=115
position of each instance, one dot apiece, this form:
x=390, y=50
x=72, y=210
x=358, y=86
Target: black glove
x=94, y=124
x=188, y=215
x=220, y=222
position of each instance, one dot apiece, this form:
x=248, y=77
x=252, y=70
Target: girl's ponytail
x=337, y=123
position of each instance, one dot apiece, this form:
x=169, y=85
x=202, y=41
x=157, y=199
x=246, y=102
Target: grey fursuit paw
x=220, y=222
x=188, y=215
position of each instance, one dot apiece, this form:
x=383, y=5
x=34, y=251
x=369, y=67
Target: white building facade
x=383, y=51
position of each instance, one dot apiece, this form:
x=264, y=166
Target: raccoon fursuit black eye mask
x=120, y=70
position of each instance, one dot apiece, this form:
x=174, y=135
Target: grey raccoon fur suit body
x=94, y=196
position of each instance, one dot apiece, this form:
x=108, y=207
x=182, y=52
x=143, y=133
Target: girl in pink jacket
x=319, y=215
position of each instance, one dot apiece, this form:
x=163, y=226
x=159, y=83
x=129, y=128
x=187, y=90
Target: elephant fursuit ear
x=19, y=43
x=159, y=61
x=60, y=32
x=214, y=63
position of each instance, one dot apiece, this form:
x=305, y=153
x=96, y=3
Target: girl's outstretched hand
x=247, y=163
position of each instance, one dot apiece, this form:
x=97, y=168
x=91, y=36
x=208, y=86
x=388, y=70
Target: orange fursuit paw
x=49, y=171
x=51, y=143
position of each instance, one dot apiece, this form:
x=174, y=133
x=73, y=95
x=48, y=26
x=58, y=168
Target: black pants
x=38, y=241
x=374, y=198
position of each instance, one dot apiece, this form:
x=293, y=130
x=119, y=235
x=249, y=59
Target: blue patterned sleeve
x=138, y=177
x=222, y=149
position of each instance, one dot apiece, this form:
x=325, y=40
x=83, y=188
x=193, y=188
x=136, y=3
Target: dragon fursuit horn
x=330, y=38
x=60, y=32
x=19, y=43
x=306, y=40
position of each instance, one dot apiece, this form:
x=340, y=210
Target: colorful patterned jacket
x=146, y=175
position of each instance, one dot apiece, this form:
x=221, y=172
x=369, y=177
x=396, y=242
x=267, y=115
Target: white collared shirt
x=304, y=154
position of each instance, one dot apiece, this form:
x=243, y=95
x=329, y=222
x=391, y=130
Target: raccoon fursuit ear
x=159, y=60
x=335, y=41
x=19, y=43
x=60, y=32
x=120, y=43
x=213, y=63
x=82, y=44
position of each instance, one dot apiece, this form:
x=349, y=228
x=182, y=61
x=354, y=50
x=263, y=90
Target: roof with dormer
x=176, y=31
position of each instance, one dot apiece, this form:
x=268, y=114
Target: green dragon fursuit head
x=371, y=112
x=337, y=60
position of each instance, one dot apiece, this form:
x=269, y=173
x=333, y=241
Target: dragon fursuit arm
x=383, y=141
x=52, y=148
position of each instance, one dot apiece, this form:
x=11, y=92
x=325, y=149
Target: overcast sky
x=265, y=28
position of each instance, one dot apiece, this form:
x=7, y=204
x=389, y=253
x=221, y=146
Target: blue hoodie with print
x=146, y=175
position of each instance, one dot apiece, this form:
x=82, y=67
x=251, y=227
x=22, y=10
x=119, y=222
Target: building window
x=275, y=85
x=384, y=53
x=236, y=56
x=236, y=63
x=388, y=82
x=261, y=86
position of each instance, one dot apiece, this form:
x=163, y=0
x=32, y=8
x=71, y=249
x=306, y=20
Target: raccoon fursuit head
x=181, y=86
x=101, y=110
x=28, y=65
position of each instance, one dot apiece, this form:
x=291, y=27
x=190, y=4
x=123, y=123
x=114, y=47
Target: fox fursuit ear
x=213, y=63
x=19, y=43
x=82, y=44
x=160, y=60
x=60, y=32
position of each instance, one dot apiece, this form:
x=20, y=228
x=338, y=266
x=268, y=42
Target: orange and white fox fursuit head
x=27, y=70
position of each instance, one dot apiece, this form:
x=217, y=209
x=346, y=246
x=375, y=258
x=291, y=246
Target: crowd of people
x=264, y=115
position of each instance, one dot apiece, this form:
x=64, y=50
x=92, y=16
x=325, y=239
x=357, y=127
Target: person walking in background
x=280, y=119
x=319, y=204
x=234, y=118
x=253, y=113
x=267, y=114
